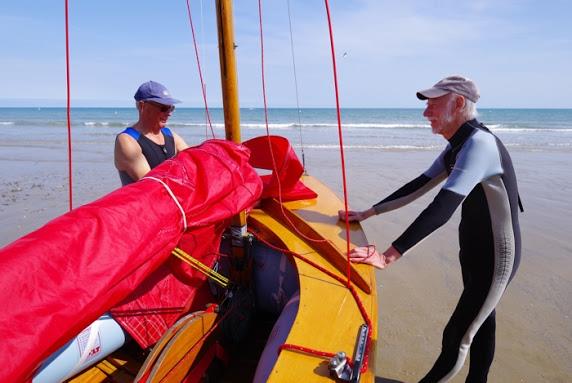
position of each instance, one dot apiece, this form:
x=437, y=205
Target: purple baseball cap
x=452, y=84
x=153, y=91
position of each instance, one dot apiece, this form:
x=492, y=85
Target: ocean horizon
x=538, y=129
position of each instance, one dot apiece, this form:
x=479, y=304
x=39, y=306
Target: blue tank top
x=154, y=153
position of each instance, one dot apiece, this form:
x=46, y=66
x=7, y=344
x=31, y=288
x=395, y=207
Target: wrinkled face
x=155, y=114
x=440, y=112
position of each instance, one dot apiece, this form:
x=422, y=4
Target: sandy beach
x=418, y=293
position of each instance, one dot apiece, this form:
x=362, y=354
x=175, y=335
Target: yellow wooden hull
x=328, y=317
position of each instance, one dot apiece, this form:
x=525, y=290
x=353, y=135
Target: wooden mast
x=240, y=272
x=228, y=75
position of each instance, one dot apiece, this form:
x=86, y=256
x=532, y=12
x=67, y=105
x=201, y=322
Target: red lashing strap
x=288, y=171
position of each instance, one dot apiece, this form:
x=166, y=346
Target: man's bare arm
x=180, y=144
x=129, y=157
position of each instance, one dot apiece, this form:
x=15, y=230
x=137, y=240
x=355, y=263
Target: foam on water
x=363, y=129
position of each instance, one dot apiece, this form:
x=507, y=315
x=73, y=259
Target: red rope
x=340, y=137
x=264, y=85
x=313, y=264
x=68, y=108
x=274, y=166
x=352, y=290
x=307, y=350
x=203, y=86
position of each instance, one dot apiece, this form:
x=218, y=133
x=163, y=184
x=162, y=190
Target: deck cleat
x=339, y=367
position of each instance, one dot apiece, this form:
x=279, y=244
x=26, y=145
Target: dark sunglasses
x=161, y=107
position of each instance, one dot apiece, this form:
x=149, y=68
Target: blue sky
x=518, y=52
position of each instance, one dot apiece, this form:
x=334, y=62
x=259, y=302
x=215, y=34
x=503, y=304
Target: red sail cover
x=275, y=153
x=58, y=279
x=172, y=290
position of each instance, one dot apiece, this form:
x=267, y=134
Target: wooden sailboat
x=333, y=311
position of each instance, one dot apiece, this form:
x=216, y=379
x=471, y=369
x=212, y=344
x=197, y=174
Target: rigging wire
x=68, y=107
x=347, y=282
x=204, y=59
x=270, y=149
x=340, y=135
x=203, y=86
x=296, y=86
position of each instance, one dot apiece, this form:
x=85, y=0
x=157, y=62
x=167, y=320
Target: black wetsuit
x=154, y=153
x=479, y=175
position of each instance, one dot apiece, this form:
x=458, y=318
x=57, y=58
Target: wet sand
x=418, y=293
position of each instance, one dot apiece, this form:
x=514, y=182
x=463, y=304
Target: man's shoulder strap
x=132, y=132
x=167, y=132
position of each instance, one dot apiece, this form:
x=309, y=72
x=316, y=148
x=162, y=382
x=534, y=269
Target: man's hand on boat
x=355, y=216
x=370, y=256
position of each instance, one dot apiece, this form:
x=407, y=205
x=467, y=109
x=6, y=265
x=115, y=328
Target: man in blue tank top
x=147, y=143
x=138, y=149
x=478, y=175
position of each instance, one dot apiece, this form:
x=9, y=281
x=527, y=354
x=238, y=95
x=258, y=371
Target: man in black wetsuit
x=478, y=175
x=148, y=142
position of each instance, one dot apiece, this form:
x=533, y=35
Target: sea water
x=362, y=129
